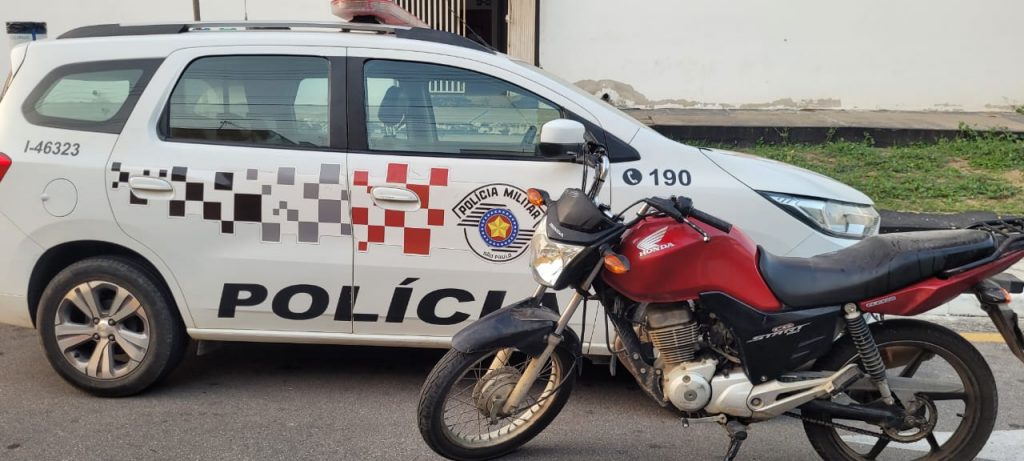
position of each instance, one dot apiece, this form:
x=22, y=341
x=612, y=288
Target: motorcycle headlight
x=550, y=258
x=838, y=219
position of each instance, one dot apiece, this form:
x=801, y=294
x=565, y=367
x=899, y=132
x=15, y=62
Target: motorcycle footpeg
x=718, y=419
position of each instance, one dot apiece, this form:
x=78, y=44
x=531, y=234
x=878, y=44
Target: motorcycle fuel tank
x=670, y=261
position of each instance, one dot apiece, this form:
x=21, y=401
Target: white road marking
x=1001, y=446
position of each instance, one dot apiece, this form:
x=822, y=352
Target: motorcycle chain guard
x=523, y=325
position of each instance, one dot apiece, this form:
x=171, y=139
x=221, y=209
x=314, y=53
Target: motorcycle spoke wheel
x=470, y=419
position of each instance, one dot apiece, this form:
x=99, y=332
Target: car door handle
x=144, y=184
x=394, y=194
x=395, y=198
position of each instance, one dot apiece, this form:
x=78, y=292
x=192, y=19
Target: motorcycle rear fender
x=991, y=294
x=523, y=325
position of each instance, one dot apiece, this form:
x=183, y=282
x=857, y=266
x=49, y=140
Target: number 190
x=671, y=177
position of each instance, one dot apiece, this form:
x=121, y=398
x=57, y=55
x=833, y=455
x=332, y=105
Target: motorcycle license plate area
x=1008, y=324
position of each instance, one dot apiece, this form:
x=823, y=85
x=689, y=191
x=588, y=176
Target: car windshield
x=579, y=91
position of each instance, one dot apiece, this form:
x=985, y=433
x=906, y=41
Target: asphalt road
x=257, y=401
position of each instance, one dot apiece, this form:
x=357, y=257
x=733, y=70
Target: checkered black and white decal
x=309, y=205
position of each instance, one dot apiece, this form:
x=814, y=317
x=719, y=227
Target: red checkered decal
x=410, y=229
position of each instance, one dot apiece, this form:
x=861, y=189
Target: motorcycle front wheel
x=459, y=412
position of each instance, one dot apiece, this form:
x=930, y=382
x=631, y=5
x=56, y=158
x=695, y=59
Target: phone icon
x=632, y=176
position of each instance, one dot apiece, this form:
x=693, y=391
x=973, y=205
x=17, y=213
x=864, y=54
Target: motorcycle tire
x=980, y=397
x=451, y=370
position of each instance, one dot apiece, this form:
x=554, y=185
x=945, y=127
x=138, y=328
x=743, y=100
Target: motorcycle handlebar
x=711, y=220
x=679, y=208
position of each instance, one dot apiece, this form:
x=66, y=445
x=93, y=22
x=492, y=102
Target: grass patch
x=975, y=171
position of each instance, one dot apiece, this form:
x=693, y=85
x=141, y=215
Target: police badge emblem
x=497, y=221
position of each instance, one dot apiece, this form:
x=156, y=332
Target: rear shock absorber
x=870, y=358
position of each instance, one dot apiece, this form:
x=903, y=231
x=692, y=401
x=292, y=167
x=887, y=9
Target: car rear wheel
x=108, y=329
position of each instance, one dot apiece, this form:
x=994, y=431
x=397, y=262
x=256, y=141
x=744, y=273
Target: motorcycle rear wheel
x=458, y=387
x=904, y=337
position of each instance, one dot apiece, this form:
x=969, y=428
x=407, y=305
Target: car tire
x=108, y=328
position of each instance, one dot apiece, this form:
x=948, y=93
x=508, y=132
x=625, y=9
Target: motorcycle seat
x=872, y=267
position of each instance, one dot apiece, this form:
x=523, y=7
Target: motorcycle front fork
x=537, y=363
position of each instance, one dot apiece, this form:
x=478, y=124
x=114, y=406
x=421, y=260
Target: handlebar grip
x=711, y=220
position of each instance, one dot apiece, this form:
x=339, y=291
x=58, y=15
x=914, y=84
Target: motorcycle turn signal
x=537, y=197
x=616, y=263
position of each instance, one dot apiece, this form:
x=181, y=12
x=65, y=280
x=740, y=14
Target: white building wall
x=870, y=54
x=63, y=15
x=866, y=54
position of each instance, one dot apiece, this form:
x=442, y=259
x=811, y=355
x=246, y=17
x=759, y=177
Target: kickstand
x=737, y=434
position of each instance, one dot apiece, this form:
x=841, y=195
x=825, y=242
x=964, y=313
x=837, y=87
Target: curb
x=904, y=221
x=743, y=136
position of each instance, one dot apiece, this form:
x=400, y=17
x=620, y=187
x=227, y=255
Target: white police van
x=313, y=182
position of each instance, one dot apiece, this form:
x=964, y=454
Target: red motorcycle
x=727, y=333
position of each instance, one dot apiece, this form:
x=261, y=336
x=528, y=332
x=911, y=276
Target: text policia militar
x=305, y=302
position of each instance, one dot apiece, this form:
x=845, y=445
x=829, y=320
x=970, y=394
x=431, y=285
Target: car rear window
x=88, y=96
x=266, y=101
x=93, y=96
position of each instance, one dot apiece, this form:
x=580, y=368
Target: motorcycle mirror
x=562, y=138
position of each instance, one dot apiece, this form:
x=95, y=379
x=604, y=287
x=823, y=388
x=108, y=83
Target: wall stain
x=789, y=103
x=1001, y=107
x=624, y=95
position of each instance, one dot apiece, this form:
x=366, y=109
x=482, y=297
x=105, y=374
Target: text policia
x=235, y=295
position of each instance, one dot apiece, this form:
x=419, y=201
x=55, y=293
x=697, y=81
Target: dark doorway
x=486, y=18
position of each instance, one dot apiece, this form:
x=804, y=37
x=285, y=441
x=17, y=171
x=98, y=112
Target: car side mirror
x=562, y=138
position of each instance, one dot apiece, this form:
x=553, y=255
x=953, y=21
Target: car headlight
x=839, y=219
x=549, y=257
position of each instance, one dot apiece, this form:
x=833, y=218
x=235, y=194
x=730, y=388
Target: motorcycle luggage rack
x=1011, y=230
x=1004, y=227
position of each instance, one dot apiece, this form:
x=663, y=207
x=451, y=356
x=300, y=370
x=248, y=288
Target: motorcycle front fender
x=523, y=325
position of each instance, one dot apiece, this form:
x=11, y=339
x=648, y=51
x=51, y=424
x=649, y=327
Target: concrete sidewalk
x=815, y=126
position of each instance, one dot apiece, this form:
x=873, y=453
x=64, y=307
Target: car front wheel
x=108, y=329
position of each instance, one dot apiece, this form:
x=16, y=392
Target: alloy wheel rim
x=102, y=330
x=968, y=416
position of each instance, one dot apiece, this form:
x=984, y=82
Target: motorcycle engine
x=674, y=333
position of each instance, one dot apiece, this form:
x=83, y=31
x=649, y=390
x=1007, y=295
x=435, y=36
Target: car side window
x=272, y=101
x=88, y=96
x=420, y=107
x=91, y=96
